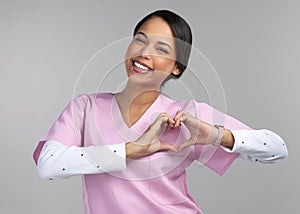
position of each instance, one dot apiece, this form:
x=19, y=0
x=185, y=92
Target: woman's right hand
x=150, y=142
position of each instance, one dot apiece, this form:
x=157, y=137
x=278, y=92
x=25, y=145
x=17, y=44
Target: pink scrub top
x=152, y=184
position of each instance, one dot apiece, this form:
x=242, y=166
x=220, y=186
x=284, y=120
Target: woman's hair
x=181, y=31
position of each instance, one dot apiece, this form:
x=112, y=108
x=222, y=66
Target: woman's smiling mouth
x=140, y=67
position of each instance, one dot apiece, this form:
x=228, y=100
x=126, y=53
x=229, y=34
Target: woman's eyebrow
x=142, y=33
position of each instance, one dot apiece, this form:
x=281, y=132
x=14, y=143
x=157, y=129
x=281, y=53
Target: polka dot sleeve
x=58, y=161
x=263, y=146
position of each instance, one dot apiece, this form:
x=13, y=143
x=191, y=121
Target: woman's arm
x=262, y=146
x=58, y=161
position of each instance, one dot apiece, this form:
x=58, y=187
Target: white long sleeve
x=58, y=161
x=263, y=146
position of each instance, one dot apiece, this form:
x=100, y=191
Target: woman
x=133, y=147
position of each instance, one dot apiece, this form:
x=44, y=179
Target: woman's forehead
x=156, y=26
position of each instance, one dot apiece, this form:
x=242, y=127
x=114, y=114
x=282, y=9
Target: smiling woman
x=133, y=147
x=152, y=53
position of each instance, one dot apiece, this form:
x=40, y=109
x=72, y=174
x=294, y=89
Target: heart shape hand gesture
x=149, y=143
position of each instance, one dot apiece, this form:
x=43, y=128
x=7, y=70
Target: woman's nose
x=146, y=51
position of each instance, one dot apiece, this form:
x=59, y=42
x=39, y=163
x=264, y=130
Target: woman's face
x=151, y=55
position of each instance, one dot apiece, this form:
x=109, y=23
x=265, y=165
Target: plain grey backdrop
x=254, y=47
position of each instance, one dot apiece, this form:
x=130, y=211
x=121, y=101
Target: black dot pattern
x=260, y=148
x=64, y=167
x=266, y=143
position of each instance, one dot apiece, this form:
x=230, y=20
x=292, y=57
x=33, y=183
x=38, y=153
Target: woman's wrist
x=133, y=150
x=129, y=148
x=227, y=139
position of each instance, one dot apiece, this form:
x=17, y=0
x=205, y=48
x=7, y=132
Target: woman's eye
x=163, y=50
x=139, y=40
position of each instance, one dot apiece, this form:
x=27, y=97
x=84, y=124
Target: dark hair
x=181, y=31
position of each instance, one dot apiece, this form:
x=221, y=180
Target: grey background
x=253, y=45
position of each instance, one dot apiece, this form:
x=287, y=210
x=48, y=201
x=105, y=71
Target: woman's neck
x=134, y=103
x=137, y=98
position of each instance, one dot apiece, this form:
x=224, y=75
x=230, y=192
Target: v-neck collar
x=141, y=124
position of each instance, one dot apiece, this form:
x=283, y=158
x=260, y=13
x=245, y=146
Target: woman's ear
x=176, y=71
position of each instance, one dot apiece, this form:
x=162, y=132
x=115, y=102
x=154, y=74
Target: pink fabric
x=156, y=182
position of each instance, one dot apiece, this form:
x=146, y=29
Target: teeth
x=141, y=66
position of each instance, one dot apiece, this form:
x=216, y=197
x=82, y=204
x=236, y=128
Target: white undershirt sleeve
x=263, y=146
x=58, y=161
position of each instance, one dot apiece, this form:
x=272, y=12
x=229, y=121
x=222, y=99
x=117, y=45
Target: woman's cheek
x=164, y=64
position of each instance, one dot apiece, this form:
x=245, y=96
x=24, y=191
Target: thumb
x=185, y=144
x=166, y=146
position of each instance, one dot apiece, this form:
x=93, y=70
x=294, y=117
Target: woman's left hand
x=201, y=132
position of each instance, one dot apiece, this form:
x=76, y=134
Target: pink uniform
x=152, y=184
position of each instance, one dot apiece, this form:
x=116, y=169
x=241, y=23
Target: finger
x=177, y=123
x=181, y=117
x=185, y=144
x=159, y=122
x=164, y=118
x=178, y=118
x=147, y=129
x=171, y=121
x=170, y=126
x=166, y=146
x=178, y=115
